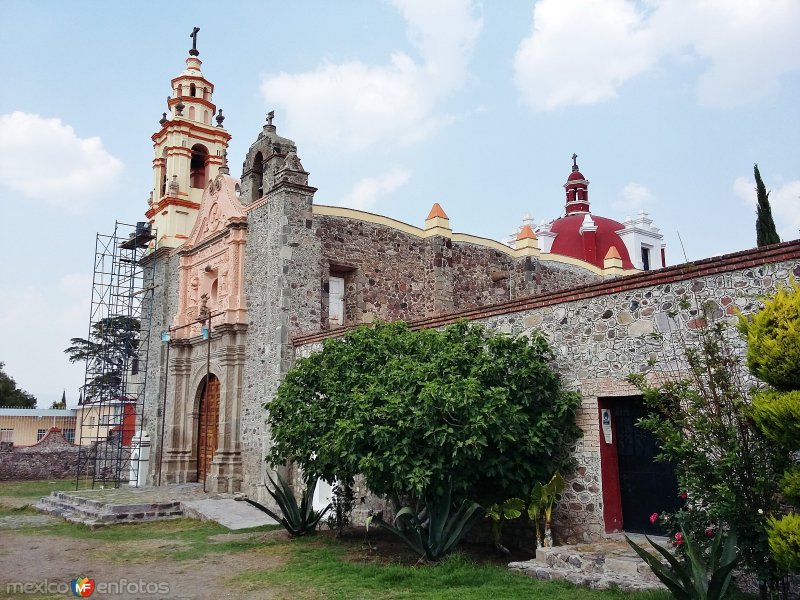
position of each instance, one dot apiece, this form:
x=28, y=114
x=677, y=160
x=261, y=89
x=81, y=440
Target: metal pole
x=208, y=385
x=163, y=416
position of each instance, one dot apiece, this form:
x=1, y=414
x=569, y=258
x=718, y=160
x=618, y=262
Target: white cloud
x=44, y=160
x=784, y=201
x=37, y=325
x=634, y=197
x=367, y=191
x=354, y=105
x=579, y=52
x=582, y=51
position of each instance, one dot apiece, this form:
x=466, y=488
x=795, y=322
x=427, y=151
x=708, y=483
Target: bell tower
x=189, y=151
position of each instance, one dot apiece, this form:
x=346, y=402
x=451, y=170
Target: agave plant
x=430, y=530
x=497, y=513
x=298, y=520
x=695, y=577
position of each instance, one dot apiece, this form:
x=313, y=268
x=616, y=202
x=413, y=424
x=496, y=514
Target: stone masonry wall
x=603, y=332
x=165, y=306
x=283, y=287
x=390, y=274
x=53, y=457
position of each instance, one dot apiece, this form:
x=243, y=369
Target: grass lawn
x=33, y=490
x=262, y=562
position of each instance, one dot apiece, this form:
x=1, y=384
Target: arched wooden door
x=208, y=427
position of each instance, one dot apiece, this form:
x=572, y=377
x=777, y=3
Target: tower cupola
x=577, y=188
x=189, y=152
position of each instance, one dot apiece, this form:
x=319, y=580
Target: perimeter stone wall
x=52, y=457
x=602, y=332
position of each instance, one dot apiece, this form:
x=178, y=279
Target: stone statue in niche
x=204, y=311
x=223, y=283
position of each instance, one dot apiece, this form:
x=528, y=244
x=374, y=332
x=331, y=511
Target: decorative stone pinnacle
x=270, y=116
x=436, y=212
x=574, y=162
x=179, y=108
x=224, y=168
x=612, y=253
x=526, y=233
x=194, y=51
x=220, y=118
x=163, y=119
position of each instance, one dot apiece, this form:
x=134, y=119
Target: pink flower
x=653, y=518
x=710, y=532
x=678, y=539
x=684, y=495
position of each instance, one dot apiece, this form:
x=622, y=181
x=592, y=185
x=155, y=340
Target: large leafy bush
x=410, y=410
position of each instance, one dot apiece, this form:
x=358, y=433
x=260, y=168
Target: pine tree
x=765, y=225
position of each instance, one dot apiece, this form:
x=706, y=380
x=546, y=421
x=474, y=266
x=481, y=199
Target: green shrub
x=773, y=339
x=784, y=541
x=778, y=416
x=410, y=409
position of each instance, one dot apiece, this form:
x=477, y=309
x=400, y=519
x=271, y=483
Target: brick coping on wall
x=754, y=257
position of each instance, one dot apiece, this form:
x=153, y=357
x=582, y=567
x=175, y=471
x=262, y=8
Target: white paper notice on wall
x=605, y=421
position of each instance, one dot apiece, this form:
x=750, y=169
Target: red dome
x=575, y=175
x=570, y=242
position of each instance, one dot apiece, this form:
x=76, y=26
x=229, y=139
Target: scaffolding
x=115, y=351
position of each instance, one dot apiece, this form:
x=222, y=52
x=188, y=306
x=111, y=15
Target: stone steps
x=87, y=511
x=597, y=566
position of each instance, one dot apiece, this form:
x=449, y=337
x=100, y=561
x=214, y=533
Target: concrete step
x=87, y=511
x=602, y=565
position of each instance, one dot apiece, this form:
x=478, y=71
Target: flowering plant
x=696, y=576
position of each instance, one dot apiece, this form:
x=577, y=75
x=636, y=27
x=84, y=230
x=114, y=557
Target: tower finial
x=194, y=51
x=574, y=162
x=270, y=116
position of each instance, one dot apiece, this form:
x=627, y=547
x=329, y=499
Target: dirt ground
x=59, y=559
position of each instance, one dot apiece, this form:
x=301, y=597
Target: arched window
x=191, y=113
x=163, y=174
x=197, y=176
x=192, y=90
x=206, y=118
x=257, y=177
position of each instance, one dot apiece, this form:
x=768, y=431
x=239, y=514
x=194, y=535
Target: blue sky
x=393, y=105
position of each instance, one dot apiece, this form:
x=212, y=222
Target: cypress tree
x=765, y=225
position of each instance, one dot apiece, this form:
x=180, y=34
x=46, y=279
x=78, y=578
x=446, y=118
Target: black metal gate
x=646, y=485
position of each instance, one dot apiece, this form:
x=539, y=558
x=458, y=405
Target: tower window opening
x=192, y=90
x=163, y=173
x=197, y=177
x=180, y=91
x=258, y=177
x=645, y=258
x=191, y=113
x=206, y=118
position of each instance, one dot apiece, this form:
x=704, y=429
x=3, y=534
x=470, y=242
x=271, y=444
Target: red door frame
x=609, y=470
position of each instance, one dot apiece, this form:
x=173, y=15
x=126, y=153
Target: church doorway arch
x=207, y=425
